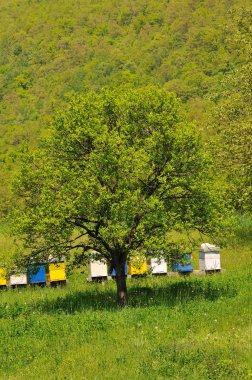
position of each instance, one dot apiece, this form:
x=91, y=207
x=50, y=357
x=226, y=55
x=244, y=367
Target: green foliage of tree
x=233, y=117
x=50, y=49
x=119, y=171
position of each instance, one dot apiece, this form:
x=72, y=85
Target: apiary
x=137, y=267
x=18, y=279
x=37, y=274
x=3, y=277
x=209, y=257
x=56, y=272
x=158, y=266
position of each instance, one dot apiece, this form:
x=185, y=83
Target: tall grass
x=173, y=328
x=177, y=328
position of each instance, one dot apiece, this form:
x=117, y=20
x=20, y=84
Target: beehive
x=56, y=272
x=209, y=257
x=209, y=261
x=113, y=271
x=137, y=267
x=98, y=269
x=3, y=277
x=37, y=273
x=158, y=266
x=183, y=265
x=18, y=279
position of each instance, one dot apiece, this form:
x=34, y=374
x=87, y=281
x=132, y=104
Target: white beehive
x=18, y=279
x=98, y=268
x=209, y=257
x=158, y=266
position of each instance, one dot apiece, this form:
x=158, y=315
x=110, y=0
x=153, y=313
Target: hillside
x=173, y=327
x=48, y=50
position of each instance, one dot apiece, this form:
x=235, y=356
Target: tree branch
x=94, y=234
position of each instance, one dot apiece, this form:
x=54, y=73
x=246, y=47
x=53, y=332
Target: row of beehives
x=209, y=260
x=55, y=272
x=49, y=273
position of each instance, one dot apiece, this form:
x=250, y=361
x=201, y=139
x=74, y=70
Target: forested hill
x=50, y=49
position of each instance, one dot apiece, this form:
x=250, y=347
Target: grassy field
x=174, y=328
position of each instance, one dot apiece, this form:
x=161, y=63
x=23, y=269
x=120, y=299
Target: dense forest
x=199, y=49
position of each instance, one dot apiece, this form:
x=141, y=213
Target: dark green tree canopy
x=118, y=172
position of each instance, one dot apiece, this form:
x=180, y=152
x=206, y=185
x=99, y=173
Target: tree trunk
x=119, y=263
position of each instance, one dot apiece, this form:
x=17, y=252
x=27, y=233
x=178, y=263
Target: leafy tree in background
x=233, y=118
x=48, y=50
x=119, y=171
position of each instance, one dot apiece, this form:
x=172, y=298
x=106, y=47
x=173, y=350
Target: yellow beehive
x=56, y=272
x=3, y=277
x=137, y=267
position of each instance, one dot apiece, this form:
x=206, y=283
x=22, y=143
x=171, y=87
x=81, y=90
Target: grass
x=177, y=328
x=173, y=328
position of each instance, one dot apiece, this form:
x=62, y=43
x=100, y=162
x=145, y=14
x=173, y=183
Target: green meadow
x=175, y=327
x=193, y=327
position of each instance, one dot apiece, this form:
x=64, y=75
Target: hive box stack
x=18, y=279
x=37, y=274
x=56, y=272
x=3, y=279
x=113, y=271
x=137, y=267
x=98, y=269
x=158, y=266
x=209, y=257
x=183, y=265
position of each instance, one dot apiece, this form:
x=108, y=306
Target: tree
x=117, y=173
x=48, y=54
x=233, y=119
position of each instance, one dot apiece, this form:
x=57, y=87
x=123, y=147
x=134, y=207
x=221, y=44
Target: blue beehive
x=113, y=271
x=37, y=273
x=183, y=266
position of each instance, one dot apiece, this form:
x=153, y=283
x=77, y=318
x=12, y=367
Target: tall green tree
x=119, y=171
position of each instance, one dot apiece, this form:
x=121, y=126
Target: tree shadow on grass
x=180, y=292
x=167, y=296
